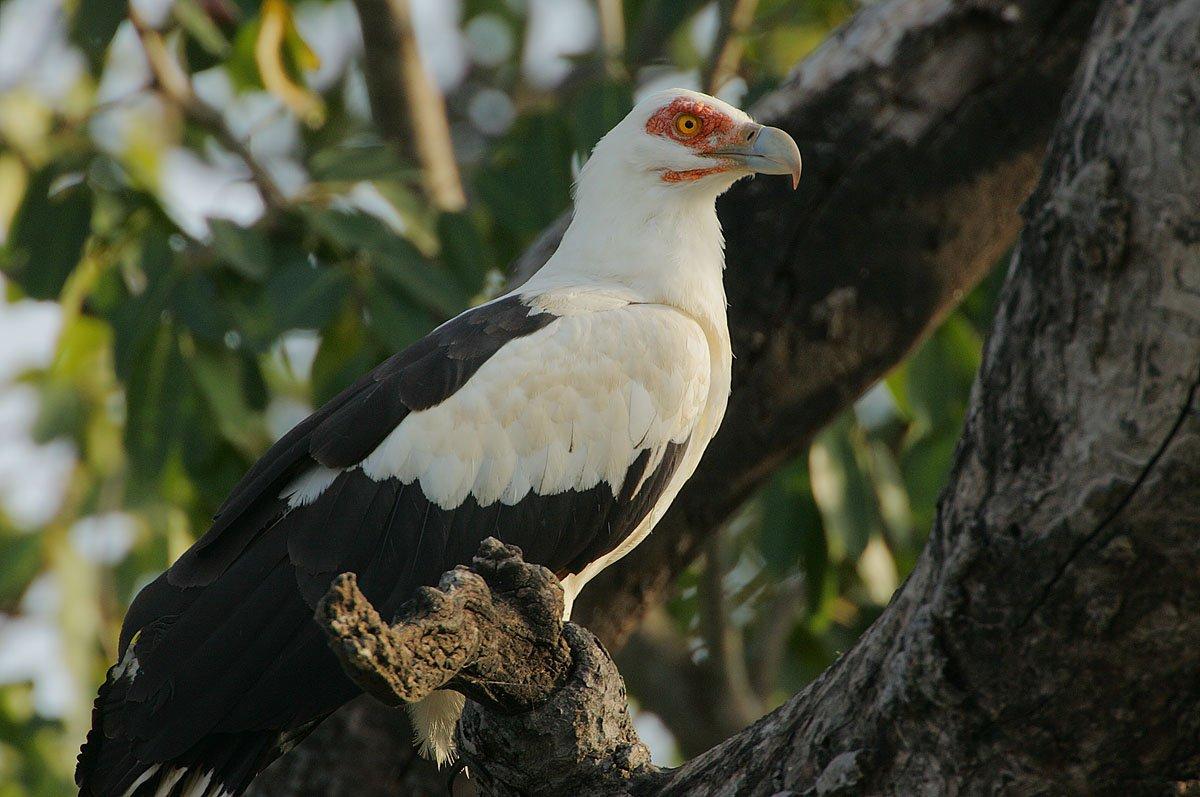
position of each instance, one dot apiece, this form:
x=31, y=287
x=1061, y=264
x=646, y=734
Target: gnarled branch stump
x=548, y=712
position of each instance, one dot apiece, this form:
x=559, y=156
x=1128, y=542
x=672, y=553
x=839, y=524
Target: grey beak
x=765, y=150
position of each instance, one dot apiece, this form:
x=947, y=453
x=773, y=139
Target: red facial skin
x=670, y=176
x=717, y=130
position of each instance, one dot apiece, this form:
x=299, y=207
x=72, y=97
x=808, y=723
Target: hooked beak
x=764, y=150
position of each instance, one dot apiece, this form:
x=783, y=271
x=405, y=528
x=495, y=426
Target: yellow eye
x=687, y=125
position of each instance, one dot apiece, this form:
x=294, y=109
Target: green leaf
x=393, y=258
x=22, y=557
x=246, y=249
x=464, y=250
x=354, y=162
x=156, y=392
x=925, y=466
x=94, y=24
x=842, y=488
x=48, y=233
x=938, y=376
x=792, y=532
x=304, y=295
x=394, y=323
x=342, y=357
x=200, y=28
x=219, y=375
x=137, y=320
x=241, y=66
x=596, y=109
x=62, y=413
x=527, y=181
x=401, y=264
x=194, y=301
x=253, y=384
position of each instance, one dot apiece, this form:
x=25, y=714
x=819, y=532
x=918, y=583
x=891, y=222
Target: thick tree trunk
x=922, y=123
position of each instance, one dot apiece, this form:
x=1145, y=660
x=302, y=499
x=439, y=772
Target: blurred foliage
x=194, y=333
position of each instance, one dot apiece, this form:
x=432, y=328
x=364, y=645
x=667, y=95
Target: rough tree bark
x=922, y=123
x=1042, y=643
x=547, y=713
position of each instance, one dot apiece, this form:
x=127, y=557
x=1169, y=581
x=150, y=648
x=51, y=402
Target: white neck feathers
x=632, y=231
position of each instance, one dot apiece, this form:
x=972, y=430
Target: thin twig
x=395, y=73
x=175, y=84
x=736, y=18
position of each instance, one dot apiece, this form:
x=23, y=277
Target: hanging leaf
x=595, y=110
x=94, y=24
x=48, y=233
x=219, y=375
x=194, y=301
x=304, y=294
x=206, y=45
x=137, y=320
x=842, y=488
x=352, y=162
x=342, y=357
x=395, y=324
x=245, y=249
x=156, y=392
x=527, y=181
x=392, y=258
x=278, y=42
x=939, y=376
x=792, y=532
x=22, y=557
x=464, y=250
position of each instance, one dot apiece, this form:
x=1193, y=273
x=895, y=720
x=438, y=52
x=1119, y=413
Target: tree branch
x=406, y=103
x=485, y=631
x=494, y=632
x=174, y=84
x=726, y=653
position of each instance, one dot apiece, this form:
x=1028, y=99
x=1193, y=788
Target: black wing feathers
x=353, y=423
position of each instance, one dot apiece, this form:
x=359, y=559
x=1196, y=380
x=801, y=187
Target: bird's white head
x=690, y=143
x=645, y=217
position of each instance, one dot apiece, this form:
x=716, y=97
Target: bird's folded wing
x=554, y=432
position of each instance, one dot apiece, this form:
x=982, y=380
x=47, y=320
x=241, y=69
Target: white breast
x=565, y=408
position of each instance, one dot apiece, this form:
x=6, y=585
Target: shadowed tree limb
x=494, y=632
x=1042, y=643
